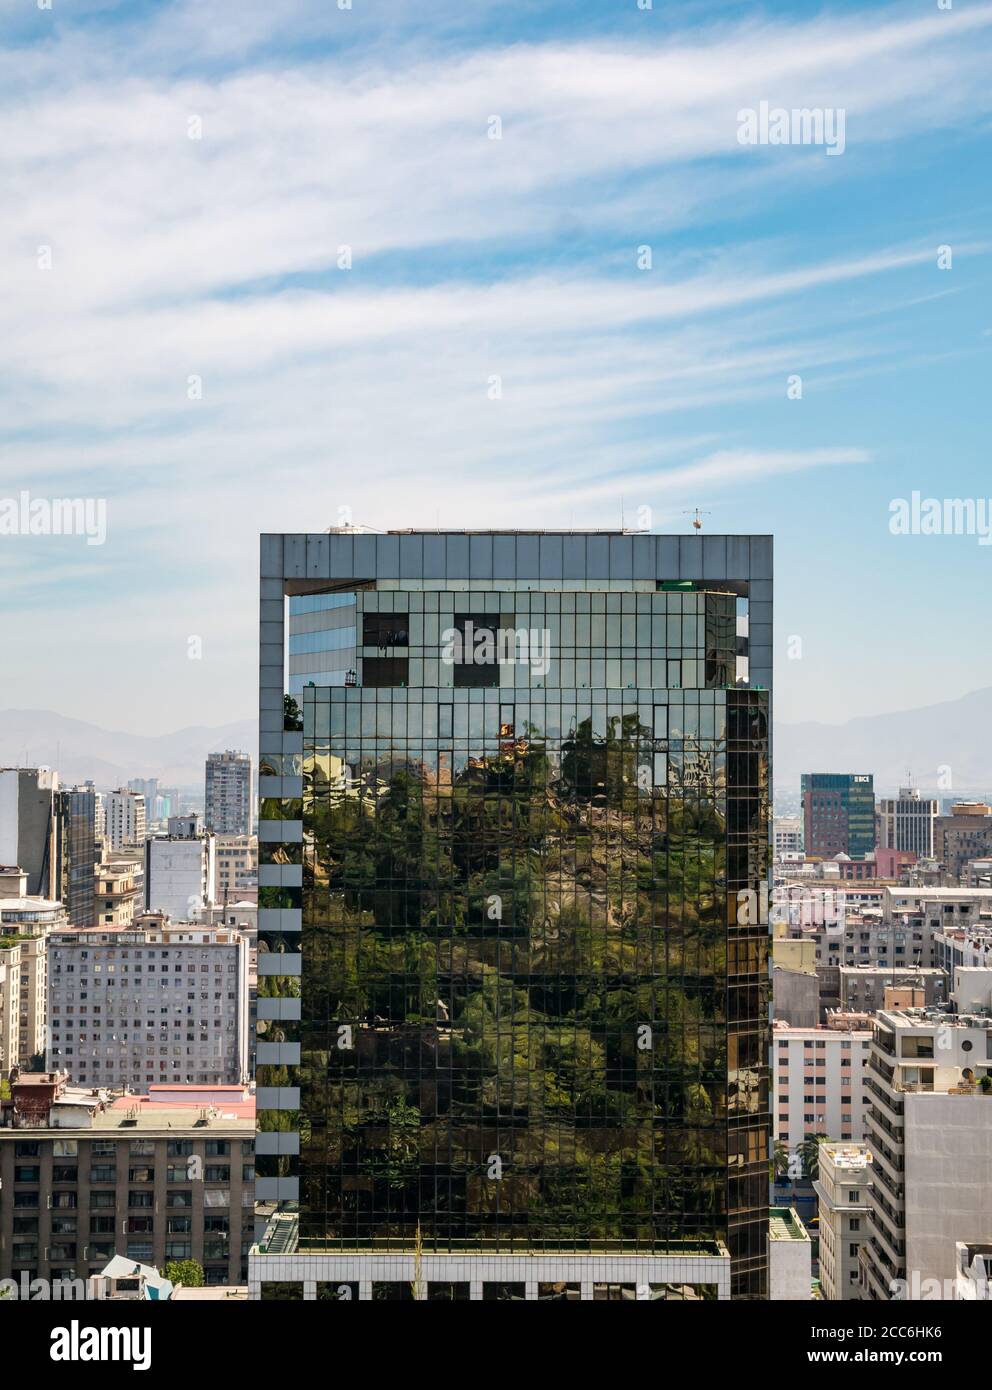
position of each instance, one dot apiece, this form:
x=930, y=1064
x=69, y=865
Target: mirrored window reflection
x=528, y=1008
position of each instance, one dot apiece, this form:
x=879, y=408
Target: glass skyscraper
x=513, y=968
x=838, y=814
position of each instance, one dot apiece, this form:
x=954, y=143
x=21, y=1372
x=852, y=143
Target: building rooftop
x=162, y=1102
x=784, y=1224
x=516, y=531
x=850, y=1156
x=779, y=1025
x=30, y=905
x=937, y=894
x=166, y=1107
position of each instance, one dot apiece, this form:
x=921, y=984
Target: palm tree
x=809, y=1154
x=778, y=1166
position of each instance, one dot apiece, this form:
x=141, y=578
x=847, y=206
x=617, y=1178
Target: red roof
x=228, y=1100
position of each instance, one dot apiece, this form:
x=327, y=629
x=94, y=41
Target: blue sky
x=330, y=393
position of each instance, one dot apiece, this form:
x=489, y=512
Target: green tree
x=189, y=1273
x=809, y=1154
x=292, y=718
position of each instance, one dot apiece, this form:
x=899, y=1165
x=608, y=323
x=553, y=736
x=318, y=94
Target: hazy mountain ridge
x=80, y=750
x=951, y=735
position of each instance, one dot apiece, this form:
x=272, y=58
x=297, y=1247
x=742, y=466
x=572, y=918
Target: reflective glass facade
x=839, y=814
x=507, y=998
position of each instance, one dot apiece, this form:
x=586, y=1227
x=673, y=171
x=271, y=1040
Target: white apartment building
x=842, y=1189
x=116, y=894
x=124, y=814
x=10, y=1001
x=788, y=831
x=901, y=932
x=790, y=1257
x=228, y=802
x=906, y=822
x=180, y=875
x=967, y=946
x=929, y=1126
x=25, y=923
x=818, y=1076
x=237, y=866
x=158, y=1002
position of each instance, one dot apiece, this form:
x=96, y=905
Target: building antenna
x=697, y=516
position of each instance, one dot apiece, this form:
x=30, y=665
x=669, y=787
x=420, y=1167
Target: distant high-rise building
x=788, y=835
x=518, y=1008
x=907, y=821
x=838, y=814
x=125, y=818
x=228, y=806
x=78, y=808
x=148, y=788
x=30, y=826
x=965, y=834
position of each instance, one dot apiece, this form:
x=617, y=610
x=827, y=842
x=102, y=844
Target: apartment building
x=87, y=1175
x=116, y=893
x=929, y=1127
x=237, y=866
x=818, y=1077
x=842, y=1190
x=228, y=803
x=863, y=987
x=10, y=1001
x=124, y=813
x=25, y=923
x=963, y=835
x=180, y=874
x=906, y=822
x=963, y=946
x=788, y=833
x=153, y=1003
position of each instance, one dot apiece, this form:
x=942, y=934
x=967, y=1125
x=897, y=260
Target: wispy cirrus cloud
x=197, y=354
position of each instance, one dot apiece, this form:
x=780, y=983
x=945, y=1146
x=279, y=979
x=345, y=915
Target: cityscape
x=495, y=802
x=517, y=987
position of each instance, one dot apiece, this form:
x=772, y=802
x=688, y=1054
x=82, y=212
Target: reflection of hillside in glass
x=527, y=937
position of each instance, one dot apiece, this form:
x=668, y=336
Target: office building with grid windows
x=513, y=986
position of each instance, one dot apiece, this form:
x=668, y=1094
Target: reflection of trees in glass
x=495, y=937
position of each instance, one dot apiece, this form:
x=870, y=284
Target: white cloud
x=368, y=387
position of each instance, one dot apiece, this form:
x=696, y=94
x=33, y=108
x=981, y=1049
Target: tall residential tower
x=228, y=808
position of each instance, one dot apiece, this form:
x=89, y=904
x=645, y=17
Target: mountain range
x=82, y=751
x=945, y=747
